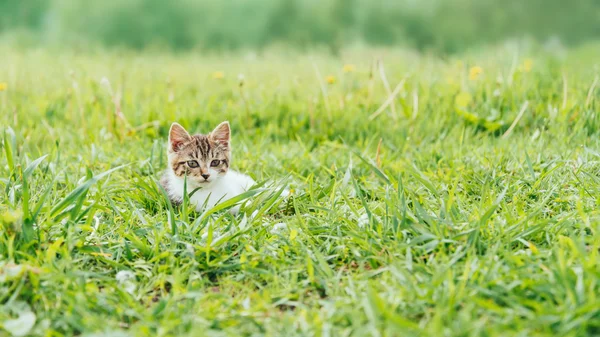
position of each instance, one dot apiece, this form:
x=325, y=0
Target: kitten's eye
x=215, y=163
x=192, y=164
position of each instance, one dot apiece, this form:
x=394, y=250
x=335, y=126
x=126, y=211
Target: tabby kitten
x=203, y=161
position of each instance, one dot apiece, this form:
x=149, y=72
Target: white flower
x=126, y=279
x=105, y=82
x=278, y=227
x=363, y=221
x=190, y=249
x=20, y=326
x=125, y=275
x=285, y=193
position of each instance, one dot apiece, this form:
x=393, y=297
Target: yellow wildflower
x=527, y=65
x=532, y=247
x=474, y=72
x=293, y=234
x=217, y=75
x=9, y=217
x=330, y=79
x=3, y=86
x=463, y=99
x=348, y=68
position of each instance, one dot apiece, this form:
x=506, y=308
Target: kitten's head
x=204, y=158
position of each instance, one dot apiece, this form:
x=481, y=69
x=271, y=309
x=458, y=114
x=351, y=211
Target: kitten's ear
x=221, y=133
x=177, y=136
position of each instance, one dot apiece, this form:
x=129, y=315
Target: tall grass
x=459, y=209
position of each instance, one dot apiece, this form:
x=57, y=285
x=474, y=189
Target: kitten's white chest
x=209, y=195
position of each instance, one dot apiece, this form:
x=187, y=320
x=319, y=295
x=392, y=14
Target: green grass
x=459, y=225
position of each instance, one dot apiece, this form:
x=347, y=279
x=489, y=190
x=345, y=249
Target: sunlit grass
x=429, y=196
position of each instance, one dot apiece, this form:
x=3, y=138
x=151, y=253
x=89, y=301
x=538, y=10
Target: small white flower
x=105, y=82
x=285, y=193
x=278, y=227
x=20, y=326
x=126, y=279
x=10, y=271
x=190, y=249
x=363, y=221
x=125, y=275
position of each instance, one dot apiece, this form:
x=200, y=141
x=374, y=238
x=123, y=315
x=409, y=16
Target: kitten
x=205, y=159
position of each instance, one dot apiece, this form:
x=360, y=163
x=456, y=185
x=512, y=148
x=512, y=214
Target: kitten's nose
x=205, y=175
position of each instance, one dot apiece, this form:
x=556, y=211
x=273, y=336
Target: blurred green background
x=427, y=25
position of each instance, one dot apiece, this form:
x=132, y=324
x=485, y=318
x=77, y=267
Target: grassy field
x=465, y=206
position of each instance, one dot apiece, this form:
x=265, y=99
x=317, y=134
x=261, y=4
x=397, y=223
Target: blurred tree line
x=438, y=25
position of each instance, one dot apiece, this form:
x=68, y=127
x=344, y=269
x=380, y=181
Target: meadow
x=430, y=196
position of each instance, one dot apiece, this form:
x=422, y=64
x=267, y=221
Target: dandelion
x=217, y=75
x=330, y=79
x=474, y=72
x=349, y=68
x=3, y=86
x=527, y=65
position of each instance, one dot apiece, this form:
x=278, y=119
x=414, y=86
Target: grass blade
x=79, y=192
